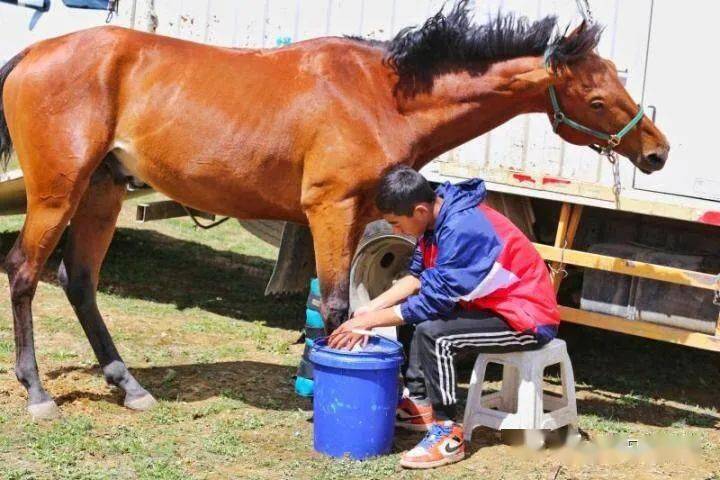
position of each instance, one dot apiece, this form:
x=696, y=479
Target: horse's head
x=589, y=94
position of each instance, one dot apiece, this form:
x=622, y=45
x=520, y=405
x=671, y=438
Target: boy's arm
x=403, y=288
x=467, y=250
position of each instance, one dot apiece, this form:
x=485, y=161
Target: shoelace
x=435, y=433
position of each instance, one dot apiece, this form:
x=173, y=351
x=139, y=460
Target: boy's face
x=413, y=225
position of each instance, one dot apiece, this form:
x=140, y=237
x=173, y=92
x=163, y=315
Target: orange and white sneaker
x=413, y=416
x=442, y=445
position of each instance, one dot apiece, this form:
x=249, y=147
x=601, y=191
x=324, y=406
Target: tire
x=381, y=258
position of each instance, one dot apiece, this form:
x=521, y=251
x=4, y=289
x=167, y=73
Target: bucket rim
x=320, y=345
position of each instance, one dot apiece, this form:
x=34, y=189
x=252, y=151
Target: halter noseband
x=559, y=117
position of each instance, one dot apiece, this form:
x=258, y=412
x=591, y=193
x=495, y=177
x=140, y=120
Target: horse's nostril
x=656, y=160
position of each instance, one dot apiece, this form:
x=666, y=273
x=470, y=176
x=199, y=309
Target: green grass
x=6, y=347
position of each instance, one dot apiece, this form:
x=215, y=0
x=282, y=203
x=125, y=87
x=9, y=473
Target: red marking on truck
x=547, y=180
x=711, y=218
x=523, y=178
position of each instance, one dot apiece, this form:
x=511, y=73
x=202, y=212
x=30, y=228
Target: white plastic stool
x=521, y=403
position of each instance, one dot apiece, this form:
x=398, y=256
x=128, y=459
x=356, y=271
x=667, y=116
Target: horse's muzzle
x=654, y=161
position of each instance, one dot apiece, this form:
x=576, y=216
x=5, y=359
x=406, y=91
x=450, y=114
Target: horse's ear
x=582, y=40
x=569, y=37
x=577, y=31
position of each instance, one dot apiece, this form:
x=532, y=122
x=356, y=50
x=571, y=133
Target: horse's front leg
x=336, y=228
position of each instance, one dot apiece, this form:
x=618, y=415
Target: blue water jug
x=314, y=329
x=356, y=394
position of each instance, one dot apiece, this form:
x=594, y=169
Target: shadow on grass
x=269, y=386
x=623, y=363
x=263, y=385
x=629, y=376
x=148, y=265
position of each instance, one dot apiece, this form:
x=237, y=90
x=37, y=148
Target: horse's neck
x=462, y=106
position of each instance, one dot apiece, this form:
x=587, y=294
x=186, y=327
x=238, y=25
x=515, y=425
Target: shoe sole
x=437, y=463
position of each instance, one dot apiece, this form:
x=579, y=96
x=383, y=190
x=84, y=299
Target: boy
x=475, y=282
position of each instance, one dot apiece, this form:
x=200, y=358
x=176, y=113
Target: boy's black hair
x=401, y=189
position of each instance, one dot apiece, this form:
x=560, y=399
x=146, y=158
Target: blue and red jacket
x=476, y=259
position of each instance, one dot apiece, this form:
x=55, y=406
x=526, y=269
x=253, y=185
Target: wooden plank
x=560, y=241
x=572, y=229
x=574, y=224
x=629, y=267
x=562, y=224
x=641, y=329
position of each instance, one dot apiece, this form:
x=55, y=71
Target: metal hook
x=112, y=7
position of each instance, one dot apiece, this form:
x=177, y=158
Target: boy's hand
x=344, y=338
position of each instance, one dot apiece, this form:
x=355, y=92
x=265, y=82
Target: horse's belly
x=240, y=188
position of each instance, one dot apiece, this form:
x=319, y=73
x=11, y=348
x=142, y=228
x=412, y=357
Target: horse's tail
x=6, y=146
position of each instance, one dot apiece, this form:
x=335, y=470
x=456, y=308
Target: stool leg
x=474, y=398
x=529, y=400
x=509, y=388
x=530, y=405
x=572, y=436
x=568, y=384
x=534, y=439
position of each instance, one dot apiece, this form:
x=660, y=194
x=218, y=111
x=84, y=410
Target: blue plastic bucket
x=356, y=394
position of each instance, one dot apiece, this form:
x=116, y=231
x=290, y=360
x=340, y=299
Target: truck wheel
x=382, y=257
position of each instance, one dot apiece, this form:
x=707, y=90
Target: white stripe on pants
x=446, y=367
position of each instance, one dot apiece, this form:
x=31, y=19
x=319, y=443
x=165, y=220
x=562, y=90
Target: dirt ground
x=187, y=312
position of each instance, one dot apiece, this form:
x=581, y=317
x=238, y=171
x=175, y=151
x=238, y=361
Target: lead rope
x=584, y=8
x=560, y=270
x=617, y=187
x=203, y=226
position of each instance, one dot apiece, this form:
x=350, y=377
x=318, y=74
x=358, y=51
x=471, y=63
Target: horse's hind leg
x=89, y=235
x=47, y=216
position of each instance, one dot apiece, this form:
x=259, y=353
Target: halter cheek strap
x=560, y=118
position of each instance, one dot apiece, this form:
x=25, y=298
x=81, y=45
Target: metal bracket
x=166, y=209
x=112, y=10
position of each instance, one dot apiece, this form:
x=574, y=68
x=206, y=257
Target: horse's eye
x=597, y=105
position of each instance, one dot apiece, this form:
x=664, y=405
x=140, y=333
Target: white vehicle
x=658, y=233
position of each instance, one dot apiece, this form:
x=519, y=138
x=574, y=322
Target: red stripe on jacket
x=528, y=303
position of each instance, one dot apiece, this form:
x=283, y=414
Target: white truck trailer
x=629, y=252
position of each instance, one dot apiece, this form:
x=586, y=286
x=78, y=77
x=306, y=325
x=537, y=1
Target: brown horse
x=300, y=133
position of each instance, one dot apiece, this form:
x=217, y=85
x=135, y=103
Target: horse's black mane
x=452, y=42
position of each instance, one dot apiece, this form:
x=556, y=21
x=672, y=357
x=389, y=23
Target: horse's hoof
x=146, y=402
x=44, y=411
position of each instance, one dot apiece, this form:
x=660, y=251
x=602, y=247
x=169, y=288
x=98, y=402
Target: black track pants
x=431, y=346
